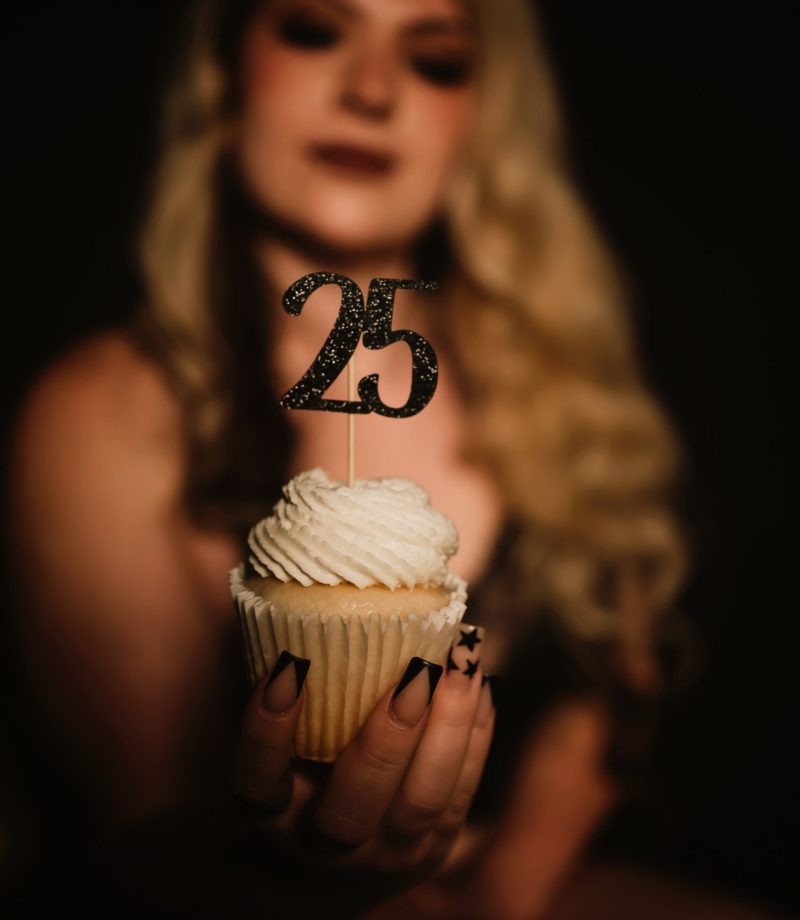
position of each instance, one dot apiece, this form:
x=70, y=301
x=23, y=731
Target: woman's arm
x=115, y=629
x=120, y=622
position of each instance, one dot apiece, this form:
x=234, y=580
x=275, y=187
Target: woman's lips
x=352, y=159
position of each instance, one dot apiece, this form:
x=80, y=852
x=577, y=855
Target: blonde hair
x=559, y=414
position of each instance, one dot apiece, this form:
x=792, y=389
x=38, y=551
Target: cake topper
x=374, y=322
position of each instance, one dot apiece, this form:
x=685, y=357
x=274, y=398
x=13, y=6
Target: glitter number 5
x=343, y=339
x=379, y=334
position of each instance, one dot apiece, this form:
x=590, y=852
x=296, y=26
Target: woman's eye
x=303, y=32
x=443, y=71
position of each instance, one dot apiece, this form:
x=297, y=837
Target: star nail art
x=470, y=638
x=464, y=656
x=471, y=668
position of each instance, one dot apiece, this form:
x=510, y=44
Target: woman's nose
x=369, y=83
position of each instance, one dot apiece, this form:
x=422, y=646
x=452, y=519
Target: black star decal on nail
x=451, y=665
x=470, y=639
x=472, y=667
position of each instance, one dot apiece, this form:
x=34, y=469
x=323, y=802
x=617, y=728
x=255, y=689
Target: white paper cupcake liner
x=353, y=662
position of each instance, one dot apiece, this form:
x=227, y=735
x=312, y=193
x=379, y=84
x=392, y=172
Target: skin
x=364, y=89
x=360, y=87
x=122, y=585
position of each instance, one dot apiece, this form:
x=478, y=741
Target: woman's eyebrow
x=451, y=25
x=343, y=7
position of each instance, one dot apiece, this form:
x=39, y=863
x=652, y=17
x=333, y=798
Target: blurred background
x=679, y=123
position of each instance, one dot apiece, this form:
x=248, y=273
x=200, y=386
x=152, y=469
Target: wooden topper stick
x=351, y=421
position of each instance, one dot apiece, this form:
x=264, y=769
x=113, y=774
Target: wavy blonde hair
x=559, y=413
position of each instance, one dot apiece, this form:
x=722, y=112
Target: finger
x=260, y=772
x=455, y=814
x=437, y=764
x=367, y=773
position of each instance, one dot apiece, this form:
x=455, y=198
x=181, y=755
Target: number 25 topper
x=375, y=322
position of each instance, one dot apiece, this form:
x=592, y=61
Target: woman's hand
x=558, y=796
x=385, y=816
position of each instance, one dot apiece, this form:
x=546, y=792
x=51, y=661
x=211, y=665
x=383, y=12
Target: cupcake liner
x=353, y=662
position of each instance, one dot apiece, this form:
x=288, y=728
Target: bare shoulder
x=103, y=392
x=104, y=382
x=109, y=600
x=101, y=410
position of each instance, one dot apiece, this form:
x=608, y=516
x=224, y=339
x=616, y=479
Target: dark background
x=679, y=119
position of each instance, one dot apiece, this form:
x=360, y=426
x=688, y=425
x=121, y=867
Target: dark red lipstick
x=358, y=160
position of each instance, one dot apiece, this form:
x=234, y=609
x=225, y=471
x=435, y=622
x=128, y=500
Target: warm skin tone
x=364, y=84
x=132, y=598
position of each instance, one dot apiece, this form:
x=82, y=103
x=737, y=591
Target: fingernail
x=285, y=683
x=486, y=704
x=465, y=653
x=415, y=691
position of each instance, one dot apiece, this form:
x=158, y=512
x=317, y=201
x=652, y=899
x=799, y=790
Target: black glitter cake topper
x=375, y=323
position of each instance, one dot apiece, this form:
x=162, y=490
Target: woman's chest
x=426, y=448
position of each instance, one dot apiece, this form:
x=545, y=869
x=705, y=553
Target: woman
x=403, y=139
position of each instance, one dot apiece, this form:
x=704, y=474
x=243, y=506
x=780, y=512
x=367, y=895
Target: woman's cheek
x=277, y=83
x=274, y=133
x=450, y=116
x=434, y=152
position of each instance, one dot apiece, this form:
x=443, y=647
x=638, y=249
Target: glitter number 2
x=337, y=348
x=376, y=324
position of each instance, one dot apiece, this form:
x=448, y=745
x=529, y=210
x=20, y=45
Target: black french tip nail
x=414, y=667
x=491, y=680
x=301, y=666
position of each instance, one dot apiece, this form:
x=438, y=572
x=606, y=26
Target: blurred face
x=353, y=111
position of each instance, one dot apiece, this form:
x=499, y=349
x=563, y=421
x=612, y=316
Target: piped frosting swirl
x=375, y=532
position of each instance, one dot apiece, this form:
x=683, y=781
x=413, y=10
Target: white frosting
x=375, y=532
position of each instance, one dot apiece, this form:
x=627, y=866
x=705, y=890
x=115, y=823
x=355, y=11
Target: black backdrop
x=679, y=127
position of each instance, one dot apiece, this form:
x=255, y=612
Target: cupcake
x=355, y=579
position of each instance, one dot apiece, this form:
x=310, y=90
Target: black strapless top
x=546, y=665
